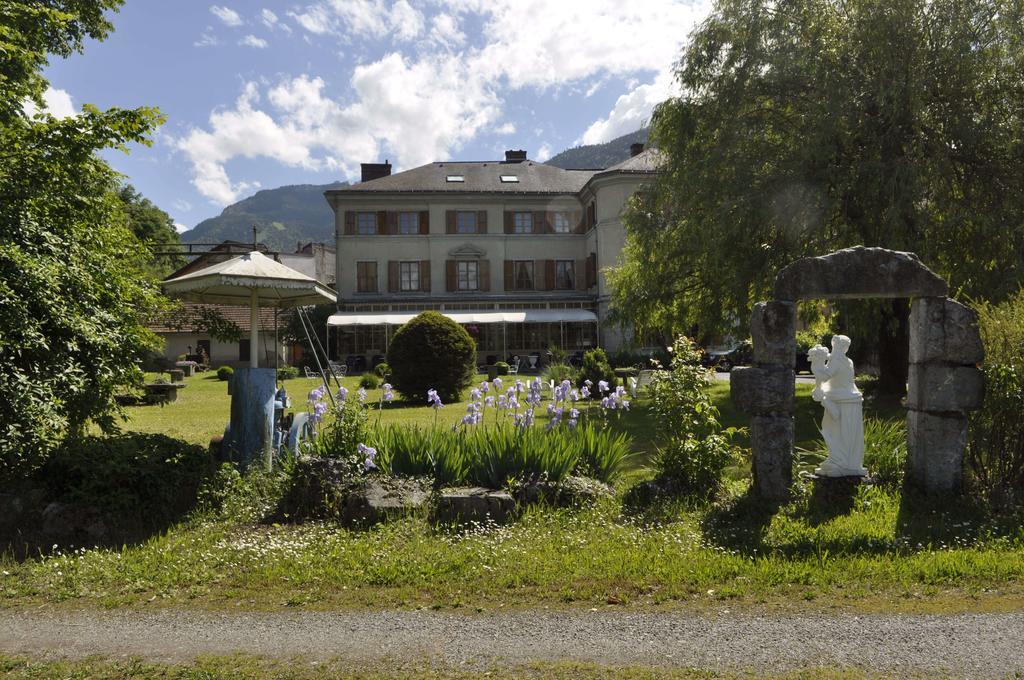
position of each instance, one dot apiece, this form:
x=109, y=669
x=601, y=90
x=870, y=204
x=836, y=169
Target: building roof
x=187, y=320
x=647, y=161
x=478, y=177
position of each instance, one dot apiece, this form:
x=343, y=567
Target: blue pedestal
x=252, y=415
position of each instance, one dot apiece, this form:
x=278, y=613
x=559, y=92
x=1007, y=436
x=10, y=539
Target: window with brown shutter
x=481, y=222
x=393, y=276
x=451, y=276
x=467, y=222
x=484, y=275
x=508, y=280
x=510, y=224
x=425, y=276
x=409, y=277
x=519, y=275
x=383, y=224
x=565, y=274
x=449, y=221
x=424, y=221
x=581, y=280
x=366, y=277
x=367, y=223
x=350, y=223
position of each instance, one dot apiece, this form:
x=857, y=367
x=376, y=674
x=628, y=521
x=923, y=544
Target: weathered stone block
x=474, y=504
x=935, y=451
x=773, y=330
x=762, y=391
x=859, y=273
x=944, y=388
x=944, y=330
x=771, y=438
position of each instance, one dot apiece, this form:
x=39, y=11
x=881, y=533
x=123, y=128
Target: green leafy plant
x=431, y=352
x=560, y=372
x=287, y=372
x=502, y=368
x=601, y=453
x=339, y=438
x=369, y=381
x=596, y=368
x=225, y=373
x=382, y=370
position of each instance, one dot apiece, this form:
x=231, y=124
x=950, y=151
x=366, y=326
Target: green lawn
x=876, y=550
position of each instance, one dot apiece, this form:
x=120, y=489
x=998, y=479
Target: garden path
x=966, y=645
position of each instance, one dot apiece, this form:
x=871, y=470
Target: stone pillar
x=766, y=392
x=944, y=385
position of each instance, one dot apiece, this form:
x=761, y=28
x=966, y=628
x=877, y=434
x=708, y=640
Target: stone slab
x=944, y=330
x=943, y=388
x=859, y=272
x=474, y=504
x=762, y=391
x=771, y=438
x=773, y=331
x=935, y=451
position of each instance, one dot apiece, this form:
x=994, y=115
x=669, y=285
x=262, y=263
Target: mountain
x=284, y=216
x=289, y=214
x=599, y=155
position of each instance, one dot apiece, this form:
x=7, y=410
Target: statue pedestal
x=252, y=415
x=836, y=489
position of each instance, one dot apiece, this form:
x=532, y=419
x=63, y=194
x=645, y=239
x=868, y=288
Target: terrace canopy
x=252, y=278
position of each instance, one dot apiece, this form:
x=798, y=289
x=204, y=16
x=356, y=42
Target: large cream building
x=514, y=250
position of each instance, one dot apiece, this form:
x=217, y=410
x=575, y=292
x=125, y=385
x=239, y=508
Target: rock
x=944, y=330
x=73, y=524
x=762, y=391
x=463, y=505
x=859, y=273
x=935, y=451
x=773, y=330
x=573, y=490
x=382, y=499
x=771, y=438
x=942, y=388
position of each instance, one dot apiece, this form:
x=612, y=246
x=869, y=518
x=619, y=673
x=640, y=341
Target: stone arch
x=944, y=381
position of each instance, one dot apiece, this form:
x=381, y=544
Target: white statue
x=842, y=424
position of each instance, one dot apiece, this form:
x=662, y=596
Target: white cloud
x=424, y=100
x=268, y=18
x=543, y=153
x=207, y=39
x=508, y=128
x=253, y=41
x=631, y=110
x=227, y=15
x=180, y=228
x=56, y=102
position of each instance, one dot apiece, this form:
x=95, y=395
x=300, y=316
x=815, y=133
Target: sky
x=262, y=93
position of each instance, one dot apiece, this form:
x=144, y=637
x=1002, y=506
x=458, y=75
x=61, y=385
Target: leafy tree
x=154, y=228
x=72, y=299
x=810, y=125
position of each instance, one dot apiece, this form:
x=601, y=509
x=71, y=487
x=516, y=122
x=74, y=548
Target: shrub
x=404, y=451
x=287, y=372
x=502, y=368
x=369, y=381
x=340, y=438
x=560, y=372
x=225, y=373
x=995, y=450
x=596, y=368
x=431, y=352
x=600, y=453
x=696, y=449
x=382, y=370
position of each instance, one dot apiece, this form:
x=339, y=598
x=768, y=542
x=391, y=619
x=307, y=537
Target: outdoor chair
x=339, y=370
x=513, y=368
x=310, y=373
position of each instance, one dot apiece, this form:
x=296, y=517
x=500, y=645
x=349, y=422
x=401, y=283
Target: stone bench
x=162, y=393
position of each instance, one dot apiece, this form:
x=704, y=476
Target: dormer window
x=509, y=179
x=455, y=178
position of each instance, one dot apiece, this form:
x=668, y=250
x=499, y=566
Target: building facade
x=514, y=250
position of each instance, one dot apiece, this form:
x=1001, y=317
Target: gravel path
x=962, y=645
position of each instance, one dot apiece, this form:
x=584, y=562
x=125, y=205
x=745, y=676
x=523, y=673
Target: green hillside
x=599, y=155
x=284, y=216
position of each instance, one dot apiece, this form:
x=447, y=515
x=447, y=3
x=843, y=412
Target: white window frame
x=408, y=223
x=467, y=274
x=522, y=222
x=366, y=223
x=409, y=276
x=469, y=215
x=561, y=223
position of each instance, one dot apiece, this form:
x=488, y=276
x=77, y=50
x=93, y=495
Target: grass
x=256, y=668
x=875, y=550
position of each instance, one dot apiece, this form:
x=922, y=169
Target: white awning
x=486, y=316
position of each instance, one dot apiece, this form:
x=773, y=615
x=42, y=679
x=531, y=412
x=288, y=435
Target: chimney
x=372, y=171
x=515, y=156
x=636, y=148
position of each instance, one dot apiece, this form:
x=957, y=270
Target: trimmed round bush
x=369, y=381
x=225, y=373
x=596, y=368
x=502, y=368
x=431, y=352
x=287, y=372
x=382, y=370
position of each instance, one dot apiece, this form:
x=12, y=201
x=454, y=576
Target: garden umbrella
x=252, y=278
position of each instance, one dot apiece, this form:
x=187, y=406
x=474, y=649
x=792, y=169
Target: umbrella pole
x=254, y=320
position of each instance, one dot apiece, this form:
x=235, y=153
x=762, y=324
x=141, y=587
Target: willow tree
x=811, y=125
